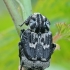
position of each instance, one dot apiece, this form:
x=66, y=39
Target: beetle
x=36, y=46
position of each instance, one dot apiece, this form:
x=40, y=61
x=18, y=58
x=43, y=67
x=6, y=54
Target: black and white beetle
x=36, y=46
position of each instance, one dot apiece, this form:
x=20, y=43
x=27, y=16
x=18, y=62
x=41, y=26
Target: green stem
x=14, y=14
x=26, y=11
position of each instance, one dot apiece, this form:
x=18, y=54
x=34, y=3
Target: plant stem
x=56, y=37
x=14, y=14
x=26, y=11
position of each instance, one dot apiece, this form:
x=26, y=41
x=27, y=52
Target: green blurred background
x=56, y=11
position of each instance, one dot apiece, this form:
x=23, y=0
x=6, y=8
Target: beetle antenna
x=21, y=24
x=26, y=21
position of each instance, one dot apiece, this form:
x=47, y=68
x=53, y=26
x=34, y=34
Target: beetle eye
x=33, y=19
x=45, y=19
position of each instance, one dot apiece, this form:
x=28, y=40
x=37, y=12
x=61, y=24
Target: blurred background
x=56, y=11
